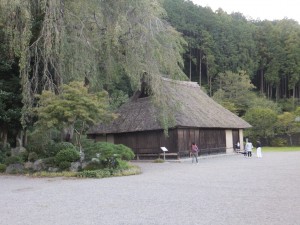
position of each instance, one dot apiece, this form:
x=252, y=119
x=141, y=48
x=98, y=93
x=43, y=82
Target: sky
x=257, y=9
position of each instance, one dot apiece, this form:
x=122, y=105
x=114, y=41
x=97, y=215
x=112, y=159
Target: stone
x=28, y=165
x=39, y=165
x=14, y=168
x=75, y=166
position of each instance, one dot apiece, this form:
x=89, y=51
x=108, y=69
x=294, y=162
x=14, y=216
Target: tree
x=287, y=125
x=235, y=88
x=263, y=121
x=74, y=109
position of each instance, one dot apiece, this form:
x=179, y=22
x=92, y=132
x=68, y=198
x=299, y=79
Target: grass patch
x=280, y=149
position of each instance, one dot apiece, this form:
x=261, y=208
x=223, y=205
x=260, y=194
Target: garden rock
x=16, y=151
x=28, y=165
x=53, y=169
x=14, y=168
x=39, y=165
x=75, y=166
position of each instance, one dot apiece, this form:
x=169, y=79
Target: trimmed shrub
x=68, y=155
x=54, y=148
x=32, y=156
x=50, y=162
x=107, y=151
x=12, y=160
x=2, y=168
x=64, y=165
x=93, y=166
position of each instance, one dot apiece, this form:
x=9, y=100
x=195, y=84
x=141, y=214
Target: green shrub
x=32, y=156
x=23, y=155
x=94, y=173
x=53, y=148
x=12, y=160
x=278, y=142
x=123, y=165
x=68, y=155
x=2, y=168
x=64, y=165
x=107, y=151
x=50, y=162
x=94, y=166
x=4, y=152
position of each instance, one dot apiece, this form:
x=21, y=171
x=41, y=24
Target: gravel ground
x=220, y=190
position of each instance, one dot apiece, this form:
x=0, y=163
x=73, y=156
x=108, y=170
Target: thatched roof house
x=197, y=118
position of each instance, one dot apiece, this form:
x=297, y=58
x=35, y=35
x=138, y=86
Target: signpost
x=164, y=149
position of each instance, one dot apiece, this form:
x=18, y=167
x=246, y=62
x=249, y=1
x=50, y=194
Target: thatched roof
x=193, y=108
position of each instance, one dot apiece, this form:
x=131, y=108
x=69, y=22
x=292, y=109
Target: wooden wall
x=209, y=141
x=148, y=141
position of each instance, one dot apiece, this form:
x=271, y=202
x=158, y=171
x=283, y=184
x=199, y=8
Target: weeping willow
x=58, y=41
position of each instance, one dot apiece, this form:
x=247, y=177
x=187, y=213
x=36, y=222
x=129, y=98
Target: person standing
x=258, y=149
x=248, y=148
x=194, y=152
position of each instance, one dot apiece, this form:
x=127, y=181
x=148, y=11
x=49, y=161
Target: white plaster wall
x=229, y=141
x=241, y=133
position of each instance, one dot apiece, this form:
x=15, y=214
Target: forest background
x=250, y=67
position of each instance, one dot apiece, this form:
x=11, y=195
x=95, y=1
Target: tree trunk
x=200, y=68
x=190, y=64
x=261, y=81
x=67, y=133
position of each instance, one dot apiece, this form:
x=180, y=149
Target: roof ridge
x=182, y=82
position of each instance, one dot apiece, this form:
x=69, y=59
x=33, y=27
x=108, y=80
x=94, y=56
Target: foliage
x=64, y=165
x=50, y=161
x=263, y=121
x=12, y=160
x=2, y=168
x=74, y=106
x=32, y=156
x=95, y=173
x=39, y=141
x=53, y=148
x=234, y=91
x=108, y=150
x=287, y=125
x=4, y=152
x=278, y=142
x=67, y=155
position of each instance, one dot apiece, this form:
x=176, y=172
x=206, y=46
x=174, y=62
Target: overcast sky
x=257, y=9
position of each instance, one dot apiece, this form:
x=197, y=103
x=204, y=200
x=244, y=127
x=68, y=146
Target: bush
x=53, y=148
x=50, y=162
x=32, y=156
x=107, y=151
x=4, y=152
x=12, y=160
x=94, y=173
x=94, y=166
x=2, y=168
x=278, y=142
x=67, y=155
x=64, y=165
